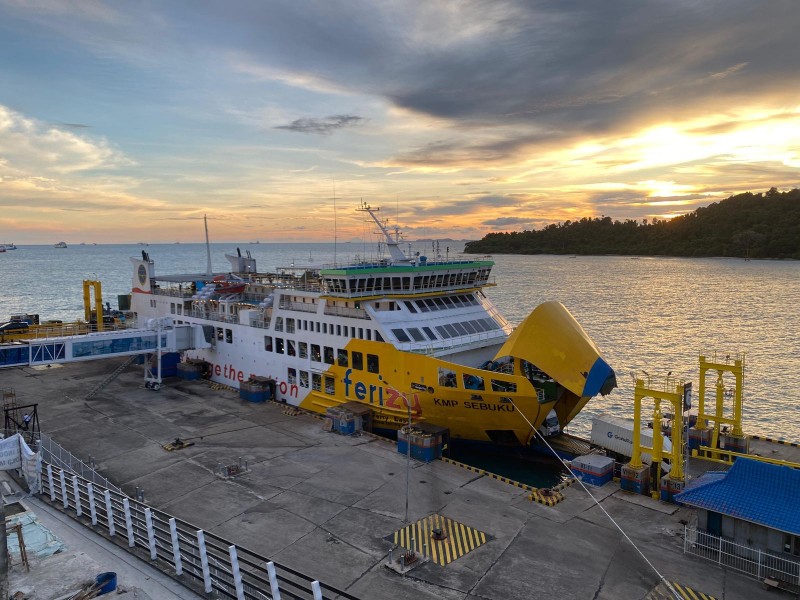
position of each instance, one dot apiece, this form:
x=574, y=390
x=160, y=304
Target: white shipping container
x=616, y=434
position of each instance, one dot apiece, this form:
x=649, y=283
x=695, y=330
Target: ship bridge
x=160, y=336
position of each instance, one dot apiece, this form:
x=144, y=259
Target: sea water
x=647, y=315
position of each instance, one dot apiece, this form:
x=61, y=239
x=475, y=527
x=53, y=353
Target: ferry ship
x=411, y=338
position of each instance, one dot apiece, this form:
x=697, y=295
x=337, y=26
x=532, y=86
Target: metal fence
x=57, y=456
x=205, y=561
x=761, y=564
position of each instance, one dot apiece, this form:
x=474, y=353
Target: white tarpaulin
x=15, y=454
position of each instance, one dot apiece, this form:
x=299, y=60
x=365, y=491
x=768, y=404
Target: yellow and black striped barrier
x=439, y=538
x=662, y=592
x=548, y=497
x=775, y=441
x=523, y=486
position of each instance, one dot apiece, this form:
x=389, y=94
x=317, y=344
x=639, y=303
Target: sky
x=128, y=121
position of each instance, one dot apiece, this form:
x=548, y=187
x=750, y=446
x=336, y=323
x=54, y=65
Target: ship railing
x=198, y=559
x=411, y=291
x=210, y=315
x=346, y=311
x=173, y=292
x=297, y=306
x=44, y=332
x=761, y=564
x=452, y=343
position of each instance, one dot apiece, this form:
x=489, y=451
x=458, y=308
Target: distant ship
x=60, y=245
x=4, y=247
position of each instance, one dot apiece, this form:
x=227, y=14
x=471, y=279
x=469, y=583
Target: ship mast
x=393, y=243
x=209, y=274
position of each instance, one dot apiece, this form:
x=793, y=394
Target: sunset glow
x=120, y=123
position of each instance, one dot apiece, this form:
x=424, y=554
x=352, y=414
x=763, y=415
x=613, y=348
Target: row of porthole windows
x=292, y=325
x=325, y=354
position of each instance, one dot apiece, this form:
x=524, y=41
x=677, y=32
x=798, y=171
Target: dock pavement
x=329, y=505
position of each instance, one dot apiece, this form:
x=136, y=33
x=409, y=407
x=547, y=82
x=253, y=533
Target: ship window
x=461, y=329
x=416, y=334
x=172, y=307
x=279, y=345
x=303, y=350
x=410, y=307
x=443, y=332
x=316, y=381
x=447, y=378
x=378, y=336
x=180, y=309
x=422, y=306
x=440, y=303
x=358, y=360
x=361, y=333
x=479, y=325
x=431, y=304
x=289, y=325
x=429, y=333
x=229, y=336
x=373, y=366
x=304, y=379
x=220, y=334
x=315, y=353
x=317, y=326
x=469, y=327
x=342, y=358
x=338, y=330
x=278, y=323
x=324, y=328
x=268, y=343
x=473, y=382
x=290, y=348
x=448, y=301
x=451, y=330
x=328, y=355
x=291, y=378
x=393, y=306
x=499, y=385
x=369, y=334
x=330, y=386
x=401, y=336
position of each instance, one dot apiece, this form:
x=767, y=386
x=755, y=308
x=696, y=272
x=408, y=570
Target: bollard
x=176, y=549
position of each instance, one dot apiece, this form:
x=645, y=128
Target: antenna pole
x=334, y=223
x=208, y=248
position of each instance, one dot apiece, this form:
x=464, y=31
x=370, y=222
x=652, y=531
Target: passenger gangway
x=160, y=336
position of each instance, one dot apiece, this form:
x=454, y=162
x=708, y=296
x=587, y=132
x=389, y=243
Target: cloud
x=505, y=221
x=324, y=126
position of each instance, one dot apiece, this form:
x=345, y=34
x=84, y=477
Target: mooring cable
x=672, y=590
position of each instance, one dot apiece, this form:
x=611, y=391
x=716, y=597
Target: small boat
x=4, y=247
x=229, y=287
x=60, y=245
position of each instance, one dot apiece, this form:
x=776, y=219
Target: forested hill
x=746, y=225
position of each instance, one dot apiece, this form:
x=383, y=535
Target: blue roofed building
x=755, y=504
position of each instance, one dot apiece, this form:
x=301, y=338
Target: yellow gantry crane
x=88, y=286
x=673, y=392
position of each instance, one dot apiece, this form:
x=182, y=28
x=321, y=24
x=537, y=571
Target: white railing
x=197, y=558
x=54, y=454
x=761, y=564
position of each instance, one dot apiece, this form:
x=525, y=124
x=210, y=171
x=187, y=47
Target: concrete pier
x=325, y=504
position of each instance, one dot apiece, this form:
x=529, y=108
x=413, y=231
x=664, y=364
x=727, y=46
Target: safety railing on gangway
x=195, y=557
